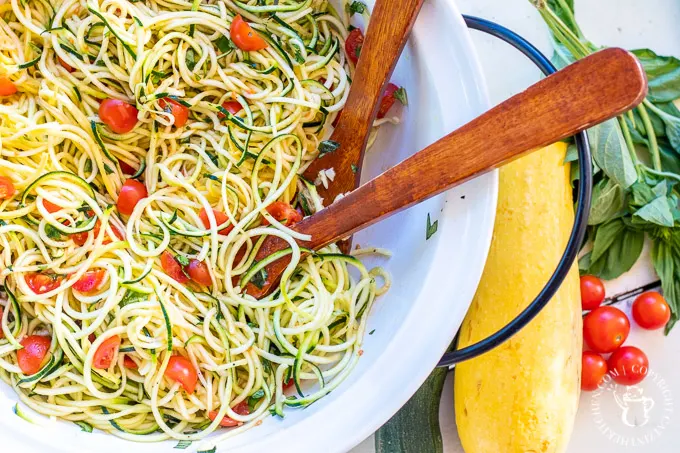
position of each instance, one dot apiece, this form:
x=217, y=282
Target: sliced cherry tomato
x=129, y=363
x=2, y=334
x=387, y=100
x=651, y=311
x=130, y=194
x=353, y=44
x=220, y=218
x=290, y=383
x=90, y=281
x=628, y=365
x=51, y=207
x=7, y=87
x=283, y=212
x=126, y=168
x=593, y=370
x=7, y=189
x=180, y=369
x=91, y=337
x=106, y=352
x=605, y=329
x=179, y=112
x=66, y=66
x=42, y=283
x=32, y=356
x=232, y=107
x=173, y=268
x=241, y=409
x=198, y=271
x=120, y=116
x=243, y=35
x=592, y=292
x=81, y=238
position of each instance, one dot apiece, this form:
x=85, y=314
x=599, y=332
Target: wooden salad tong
x=588, y=92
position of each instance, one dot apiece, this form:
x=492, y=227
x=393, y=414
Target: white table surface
x=653, y=410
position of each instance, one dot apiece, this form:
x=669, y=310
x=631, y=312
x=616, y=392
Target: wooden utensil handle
x=389, y=27
x=586, y=93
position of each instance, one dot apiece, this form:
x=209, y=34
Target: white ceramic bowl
x=434, y=280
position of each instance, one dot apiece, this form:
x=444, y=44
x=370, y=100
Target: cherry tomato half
x=7, y=87
x=353, y=44
x=129, y=363
x=179, y=112
x=243, y=35
x=387, y=100
x=605, y=329
x=106, y=352
x=241, y=409
x=126, y=168
x=220, y=218
x=41, y=283
x=283, y=212
x=7, y=189
x=628, y=365
x=130, y=194
x=172, y=268
x=651, y=311
x=593, y=370
x=180, y=369
x=65, y=65
x=51, y=207
x=90, y=281
x=232, y=107
x=198, y=271
x=592, y=292
x=120, y=116
x=32, y=356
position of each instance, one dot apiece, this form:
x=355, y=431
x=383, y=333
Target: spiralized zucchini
x=66, y=56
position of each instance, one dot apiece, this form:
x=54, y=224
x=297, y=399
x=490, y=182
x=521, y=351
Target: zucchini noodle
x=66, y=57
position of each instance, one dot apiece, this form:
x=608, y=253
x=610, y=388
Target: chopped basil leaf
x=132, y=297
x=260, y=278
x=328, y=146
x=191, y=59
x=431, y=227
x=52, y=232
x=400, y=95
x=182, y=260
x=88, y=166
x=224, y=44
x=371, y=332
x=354, y=168
x=356, y=7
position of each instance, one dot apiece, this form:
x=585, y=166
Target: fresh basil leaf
x=623, y=250
x=667, y=266
x=430, y=228
x=658, y=211
x=356, y=7
x=561, y=57
x=191, y=58
x=670, y=159
x=605, y=236
x=254, y=398
x=672, y=124
x=641, y=194
x=328, y=146
x=182, y=260
x=224, y=44
x=354, y=168
x=400, y=95
x=132, y=297
x=608, y=202
x=572, y=153
x=52, y=232
x=611, y=154
x=663, y=75
x=260, y=278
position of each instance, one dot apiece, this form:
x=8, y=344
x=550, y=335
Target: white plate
x=434, y=280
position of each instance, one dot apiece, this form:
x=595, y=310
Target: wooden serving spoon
x=580, y=96
x=391, y=23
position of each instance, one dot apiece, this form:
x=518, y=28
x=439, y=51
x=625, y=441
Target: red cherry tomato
x=42, y=283
x=593, y=370
x=177, y=110
x=592, y=292
x=180, y=369
x=7, y=189
x=605, y=329
x=90, y=281
x=198, y=271
x=32, y=356
x=66, y=66
x=106, y=352
x=130, y=194
x=220, y=218
x=283, y=212
x=7, y=87
x=51, y=207
x=129, y=363
x=126, y=168
x=387, y=100
x=651, y=311
x=232, y=107
x=243, y=35
x=173, y=268
x=628, y=365
x=241, y=409
x=120, y=116
x=353, y=44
